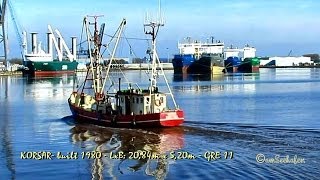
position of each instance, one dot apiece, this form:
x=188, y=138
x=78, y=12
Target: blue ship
x=246, y=63
x=206, y=64
x=181, y=62
x=199, y=58
x=232, y=64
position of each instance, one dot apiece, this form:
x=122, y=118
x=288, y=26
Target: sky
x=273, y=27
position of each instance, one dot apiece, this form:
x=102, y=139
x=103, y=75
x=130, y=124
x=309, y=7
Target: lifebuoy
x=157, y=102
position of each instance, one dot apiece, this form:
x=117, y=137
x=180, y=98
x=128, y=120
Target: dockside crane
x=3, y=38
x=18, y=30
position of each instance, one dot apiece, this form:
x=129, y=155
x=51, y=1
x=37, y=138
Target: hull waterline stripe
x=123, y=122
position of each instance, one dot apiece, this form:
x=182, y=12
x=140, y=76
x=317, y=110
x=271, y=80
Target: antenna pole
x=160, y=10
x=154, y=27
x=94, y=54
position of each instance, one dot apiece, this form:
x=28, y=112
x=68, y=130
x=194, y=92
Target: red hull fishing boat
x=132, y=107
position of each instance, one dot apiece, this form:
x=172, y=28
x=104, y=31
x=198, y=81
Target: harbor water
x=239, y=126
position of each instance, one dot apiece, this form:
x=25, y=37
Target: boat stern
x=171, y=118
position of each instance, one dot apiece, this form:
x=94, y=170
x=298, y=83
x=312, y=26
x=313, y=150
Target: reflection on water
x=197, y=77
x=41, y=88
x=142, y=149
x=6, y=149
x=64, y=79
x=213, y=82
x=273, y=112
x=215, y=77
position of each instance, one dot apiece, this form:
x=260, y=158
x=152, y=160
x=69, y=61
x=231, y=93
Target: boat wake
x=69, y=120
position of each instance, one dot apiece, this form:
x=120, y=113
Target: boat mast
x=152, y=27
x=94, y=55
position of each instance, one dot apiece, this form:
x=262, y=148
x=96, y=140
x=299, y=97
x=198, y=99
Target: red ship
x=132, y=107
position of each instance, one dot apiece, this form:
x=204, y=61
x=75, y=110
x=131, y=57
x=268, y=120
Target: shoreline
x=314, y=66
x=19, y=73
x=10, y=73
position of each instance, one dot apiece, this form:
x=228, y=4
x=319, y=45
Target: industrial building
x=2, y=66
x=286, y=61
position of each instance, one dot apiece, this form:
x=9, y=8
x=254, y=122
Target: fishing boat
x=132, y=107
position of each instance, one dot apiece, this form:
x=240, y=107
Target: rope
x=129, y=38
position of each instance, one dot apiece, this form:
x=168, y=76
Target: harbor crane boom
x=17, y=28
x=3, y=38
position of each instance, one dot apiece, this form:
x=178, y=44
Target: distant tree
x=2, y=60
x=120, y=61
x=137, y=60
x=314, y=57
x=16, y=61
x=13, y=61
x=117, y=61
